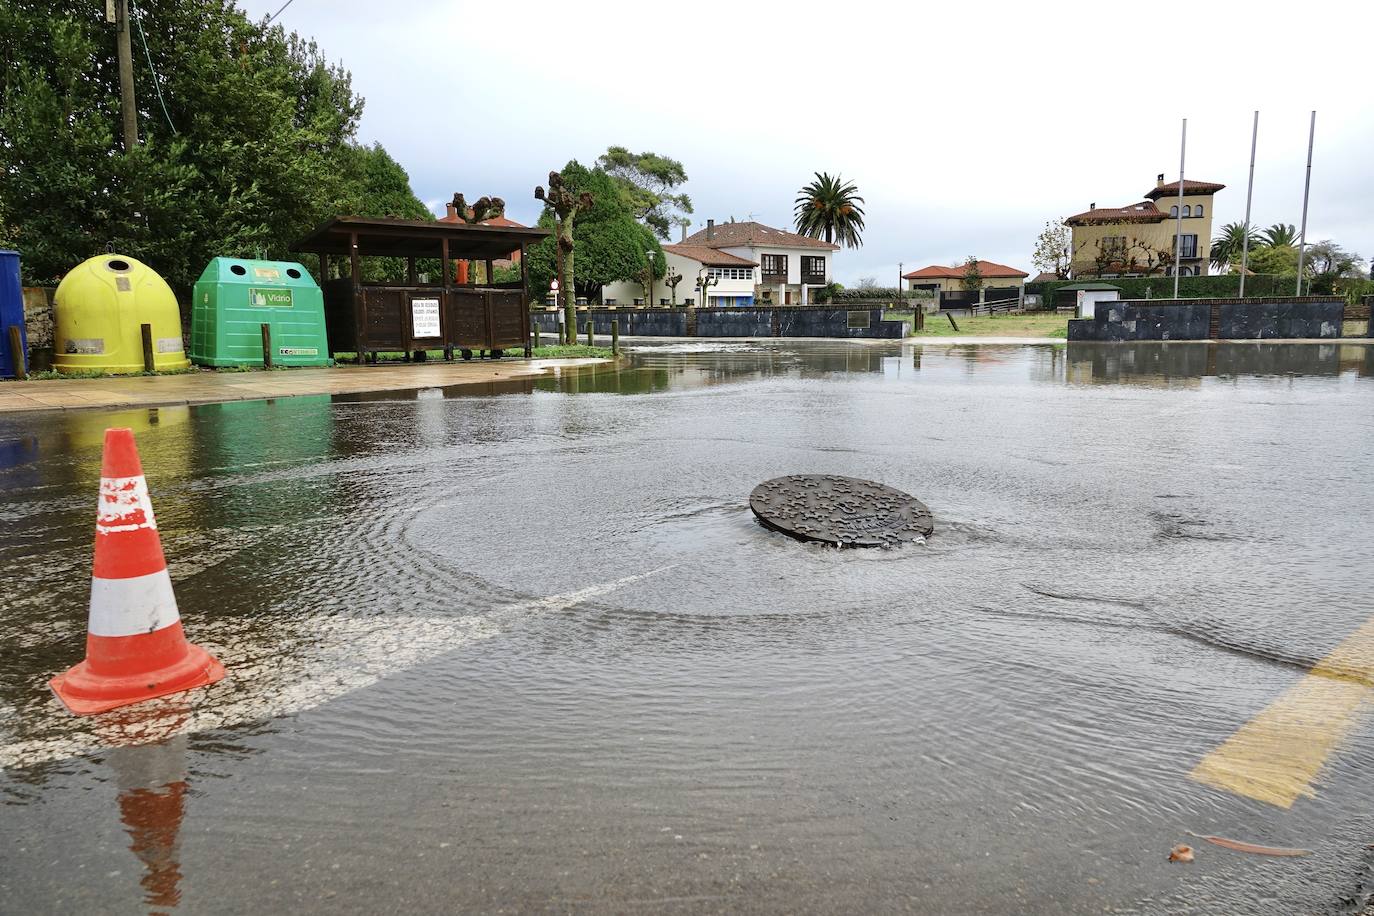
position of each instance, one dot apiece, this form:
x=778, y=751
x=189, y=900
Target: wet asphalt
x=524, y=648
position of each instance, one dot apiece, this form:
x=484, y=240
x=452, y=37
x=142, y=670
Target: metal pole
x=1306, y=187
x=1249, y=190
x=124, y=48
x=1178, y=221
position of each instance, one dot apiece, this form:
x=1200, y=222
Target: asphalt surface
x=524, y=648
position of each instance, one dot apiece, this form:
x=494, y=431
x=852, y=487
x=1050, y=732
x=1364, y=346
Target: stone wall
x=784, y=321
x=1144, y=320
x=1291, y=317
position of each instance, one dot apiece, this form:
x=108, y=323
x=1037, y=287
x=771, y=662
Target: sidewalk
x=211, y=387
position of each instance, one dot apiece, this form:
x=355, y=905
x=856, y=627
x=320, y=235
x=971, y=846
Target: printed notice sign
x=424, y=318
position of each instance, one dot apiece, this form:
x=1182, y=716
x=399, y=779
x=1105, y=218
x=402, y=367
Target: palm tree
x=1226, y=247
x=830, y=208
x=1280, y=235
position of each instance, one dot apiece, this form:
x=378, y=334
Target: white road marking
x=281, y=673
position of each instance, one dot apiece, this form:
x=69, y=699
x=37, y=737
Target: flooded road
x=526, y=649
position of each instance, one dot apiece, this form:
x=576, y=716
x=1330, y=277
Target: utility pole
x=1306, y=188
x=124, y=45
x=1249, y=190
x=1178, y=211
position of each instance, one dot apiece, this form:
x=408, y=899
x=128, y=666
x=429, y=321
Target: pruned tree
x=565, y=205
x=484, y=209
x=1052, y=253
x=671, y=280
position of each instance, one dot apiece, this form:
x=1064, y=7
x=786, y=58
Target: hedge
x=1218, y=286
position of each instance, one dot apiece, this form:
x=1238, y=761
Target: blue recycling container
x=11, y=312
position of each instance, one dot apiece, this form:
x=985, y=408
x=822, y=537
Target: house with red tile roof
x=791, y=266
x=1139, y=238
x=728, y=280
x=938, y=278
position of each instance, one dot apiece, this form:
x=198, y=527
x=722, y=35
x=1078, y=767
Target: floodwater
x=524, y=648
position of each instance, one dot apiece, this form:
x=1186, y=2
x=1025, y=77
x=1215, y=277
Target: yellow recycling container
x=99, y=310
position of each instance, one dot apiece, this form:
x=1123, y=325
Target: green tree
x=973, y=276
x=1278, y=260
x=609, y=242
x=254, y=148
x=374, y=184
x=830, y=208
x=647, y=182
x=1280, y=235
x=1229, y=241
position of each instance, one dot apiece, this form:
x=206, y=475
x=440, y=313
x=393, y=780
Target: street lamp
x=649, y=275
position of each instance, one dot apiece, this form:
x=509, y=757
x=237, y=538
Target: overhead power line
x=157, y=83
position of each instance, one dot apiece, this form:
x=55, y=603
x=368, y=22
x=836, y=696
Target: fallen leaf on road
x=1258, y=850
x=1181, y=853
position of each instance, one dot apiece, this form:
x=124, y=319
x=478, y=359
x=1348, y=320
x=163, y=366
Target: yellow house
x=1138, y=239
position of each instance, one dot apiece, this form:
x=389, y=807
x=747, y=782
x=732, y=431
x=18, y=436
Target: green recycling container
x=235, y=297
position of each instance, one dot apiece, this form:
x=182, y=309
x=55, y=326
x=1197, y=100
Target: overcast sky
x=965, y=125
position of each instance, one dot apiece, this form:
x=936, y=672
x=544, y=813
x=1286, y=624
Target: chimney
x=1159, y=182
x=684, y=231
x=710, y=229
x=451, y=212
x=1092, y=206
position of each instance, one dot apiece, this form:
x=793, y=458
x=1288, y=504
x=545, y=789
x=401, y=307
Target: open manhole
x=842, y=511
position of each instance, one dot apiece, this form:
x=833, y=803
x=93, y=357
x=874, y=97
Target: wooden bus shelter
x=412, y=317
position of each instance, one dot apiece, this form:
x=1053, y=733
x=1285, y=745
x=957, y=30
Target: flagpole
x=1178, y=221
x=1306, y=187
x=1249, y=190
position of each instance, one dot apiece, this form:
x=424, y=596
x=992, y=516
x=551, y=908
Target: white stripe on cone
x=124, y=505
x=128, y=607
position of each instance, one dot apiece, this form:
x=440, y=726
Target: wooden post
x=410, y=272
x=615, y=335
x=535, y=334
x=266, y=346
x=950, y=316
x=17, y=354
x=589, y=328
x=491, y=273
x=148, y=365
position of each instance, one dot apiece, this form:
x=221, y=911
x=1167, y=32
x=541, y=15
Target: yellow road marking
x=1276, y=756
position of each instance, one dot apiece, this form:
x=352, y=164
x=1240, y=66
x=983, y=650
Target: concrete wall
x=814, y=321
x=1307, y=317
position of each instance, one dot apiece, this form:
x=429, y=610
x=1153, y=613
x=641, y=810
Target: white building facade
x=790, y=266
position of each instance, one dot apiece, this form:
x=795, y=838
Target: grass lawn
x=1035, y=324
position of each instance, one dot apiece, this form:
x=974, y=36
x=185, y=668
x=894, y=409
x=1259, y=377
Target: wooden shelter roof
x=414, y=238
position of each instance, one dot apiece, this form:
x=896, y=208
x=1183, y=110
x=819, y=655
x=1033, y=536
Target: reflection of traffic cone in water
x=135, y=647
x=152, y=801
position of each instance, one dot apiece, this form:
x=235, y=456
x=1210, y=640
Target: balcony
x=773, y=279
x=813, y=279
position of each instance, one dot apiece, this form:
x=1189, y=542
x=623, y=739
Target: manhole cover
x=843, y=511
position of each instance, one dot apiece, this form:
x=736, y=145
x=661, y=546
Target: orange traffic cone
x=135, y=647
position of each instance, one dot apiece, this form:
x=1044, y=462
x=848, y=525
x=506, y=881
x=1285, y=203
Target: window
x=1197, y=211
x=1173, y=212
x=1187, y=210
x=774, y=265
x=1113, y=244
x=731, y=273
x=813, y=266
x=1189, y=247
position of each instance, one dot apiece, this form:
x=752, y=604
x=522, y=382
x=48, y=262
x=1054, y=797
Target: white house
x=789, y=265
x=731, y=280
